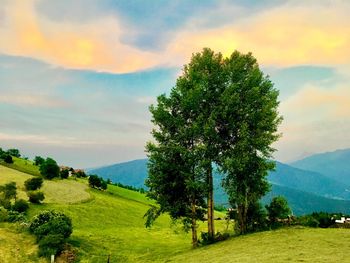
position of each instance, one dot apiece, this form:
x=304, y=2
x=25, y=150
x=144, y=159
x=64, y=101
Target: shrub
x=64, y=173
x=256, y=217
x=49, y=169
x=38, y=160
x=20, y=206
x=35, y=196
x=278, y=209
x=51, y=245
x=51, y=222
x=14, y=216
x=33, y=184
x=7, y=158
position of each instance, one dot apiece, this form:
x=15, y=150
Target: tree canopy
x=222, y=111
x=49, y=169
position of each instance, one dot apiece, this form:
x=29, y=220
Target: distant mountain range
x=307, y=187
x=335, y=165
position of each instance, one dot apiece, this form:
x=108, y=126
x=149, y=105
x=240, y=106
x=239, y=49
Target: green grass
x=55, y=191
x=285, y=245
x=25, y=166
x=111, y=223
x=17, y=247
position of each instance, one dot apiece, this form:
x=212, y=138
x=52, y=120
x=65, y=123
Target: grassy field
x=25, y=166
x=17, y=247
x=56, y=191
x=111, y=223
x=285, y=245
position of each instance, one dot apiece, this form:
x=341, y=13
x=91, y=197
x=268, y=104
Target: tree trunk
x=211, y=230
x=194, y=225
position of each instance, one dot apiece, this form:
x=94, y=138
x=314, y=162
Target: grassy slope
x=284, y=245
x=59, y=191
x=25, y=166
x=111, y=223
x=17, y=247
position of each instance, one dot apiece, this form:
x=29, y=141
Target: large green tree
x=247, y=119
x=49, y=169
x=175, y=178
x=221, y=111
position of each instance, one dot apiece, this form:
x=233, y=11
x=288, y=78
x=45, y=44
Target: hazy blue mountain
x=305, y=203
x=306, y=191
x=131, y=173
x=308, y=181
x=335, y=165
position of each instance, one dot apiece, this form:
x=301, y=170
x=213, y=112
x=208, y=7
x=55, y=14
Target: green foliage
x=256, y=217
x=49, y=169
x=3, y=214
x=20, y=206
x=38, y=160
x=8, y=191
x=14, y=152
x=14, y=216
x=80, y=174
x=278, y=209
x=51, y=228
x=35, y=197
x=97, y=182
x=64, y=173
x=7, y=158
x=33, y=183
x=318, y=219
x=51, y=244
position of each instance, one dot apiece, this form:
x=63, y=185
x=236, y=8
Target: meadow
x=110, y=224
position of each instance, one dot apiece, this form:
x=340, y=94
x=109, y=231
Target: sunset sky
x=77, y=77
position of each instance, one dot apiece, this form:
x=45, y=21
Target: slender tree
x=247, y=122
x=174, y=177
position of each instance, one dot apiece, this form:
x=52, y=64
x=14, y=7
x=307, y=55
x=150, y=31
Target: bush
x=49, y=169
x=51, y=222
x=7, y=158
x=14, y=216
x=97, y=182
x=64, y=173
x=278, y=209
x=33, y=184
x=256, y=217
x=51, y=245
x=38, y=160
x=20, y=206
x=35, y=197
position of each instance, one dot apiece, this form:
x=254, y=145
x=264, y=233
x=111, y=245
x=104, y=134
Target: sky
x=77, y=77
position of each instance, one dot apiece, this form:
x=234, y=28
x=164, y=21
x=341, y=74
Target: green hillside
x=111, y=223
x=108, y=222
x=22, y=165
x=305, y=191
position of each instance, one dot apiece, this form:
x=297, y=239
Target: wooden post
x=52, y=258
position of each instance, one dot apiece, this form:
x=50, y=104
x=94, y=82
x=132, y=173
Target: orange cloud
x=292, y=34
x=86, y=46
x=285, y=36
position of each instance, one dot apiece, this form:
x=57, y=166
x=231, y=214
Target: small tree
x=20, y=206
x=51, y=229
x=7, y=158
x=14, y=152
x=33, y=184
x=278, y=209
x=49, y=169
x=64, y=173
x=38, y=160
x=9, y=190
x=35, y=197
x=97, y=182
